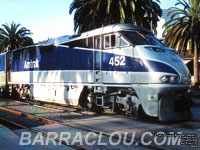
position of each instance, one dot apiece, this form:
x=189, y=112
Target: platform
x=10, y=141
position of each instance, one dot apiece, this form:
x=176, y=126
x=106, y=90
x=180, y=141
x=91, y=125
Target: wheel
x=140, y=113
x=115, y=107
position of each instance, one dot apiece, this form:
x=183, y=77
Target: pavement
x=10, y=141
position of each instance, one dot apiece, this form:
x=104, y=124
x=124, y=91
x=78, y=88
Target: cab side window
x=121, y=42
x=113, y=41
x=90, y=42
x=109, y=41
x=97, y=42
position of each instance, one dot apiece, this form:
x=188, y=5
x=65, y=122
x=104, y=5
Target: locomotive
x=121, y=67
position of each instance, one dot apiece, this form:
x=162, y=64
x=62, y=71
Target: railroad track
x=113, y=114
x=81, y=111
x=137, y=142
x=54, y=105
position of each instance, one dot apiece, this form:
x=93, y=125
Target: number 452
x=117, y=61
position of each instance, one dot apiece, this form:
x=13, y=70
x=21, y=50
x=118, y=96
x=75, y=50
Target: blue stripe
x=2, y=62
x=161, y=67
x=62, y=58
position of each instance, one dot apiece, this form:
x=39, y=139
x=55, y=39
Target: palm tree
x=183, y=32
x=96, y=13
x=12, y=37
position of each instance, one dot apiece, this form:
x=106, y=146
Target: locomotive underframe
x=158, y=100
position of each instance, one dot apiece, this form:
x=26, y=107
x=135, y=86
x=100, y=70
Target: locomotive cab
x=145, y=75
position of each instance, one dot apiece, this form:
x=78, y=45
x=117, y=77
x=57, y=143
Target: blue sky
x=45, y=18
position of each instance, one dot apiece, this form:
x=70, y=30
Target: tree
x=97, y=13
x=13, y=36
x=183, y=32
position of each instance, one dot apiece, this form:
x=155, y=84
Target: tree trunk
x=196, y=66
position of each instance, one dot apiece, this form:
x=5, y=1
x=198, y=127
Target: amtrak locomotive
x=120, y=66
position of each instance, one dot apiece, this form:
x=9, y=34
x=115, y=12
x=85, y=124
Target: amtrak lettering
x=31, y=64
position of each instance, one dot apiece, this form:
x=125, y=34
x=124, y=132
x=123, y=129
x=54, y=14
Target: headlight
x=169, y=79
x=164, y=79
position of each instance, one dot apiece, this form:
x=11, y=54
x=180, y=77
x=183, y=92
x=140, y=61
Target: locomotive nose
x=178, y=64
x=164, y=60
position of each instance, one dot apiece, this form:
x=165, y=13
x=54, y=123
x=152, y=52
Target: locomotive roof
x=107, y=29
x=115, y=28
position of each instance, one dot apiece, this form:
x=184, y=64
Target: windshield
x=141, y=38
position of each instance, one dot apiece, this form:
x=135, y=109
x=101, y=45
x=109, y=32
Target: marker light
x=169, y=79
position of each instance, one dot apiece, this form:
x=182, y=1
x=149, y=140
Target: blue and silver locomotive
x=122, y=67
